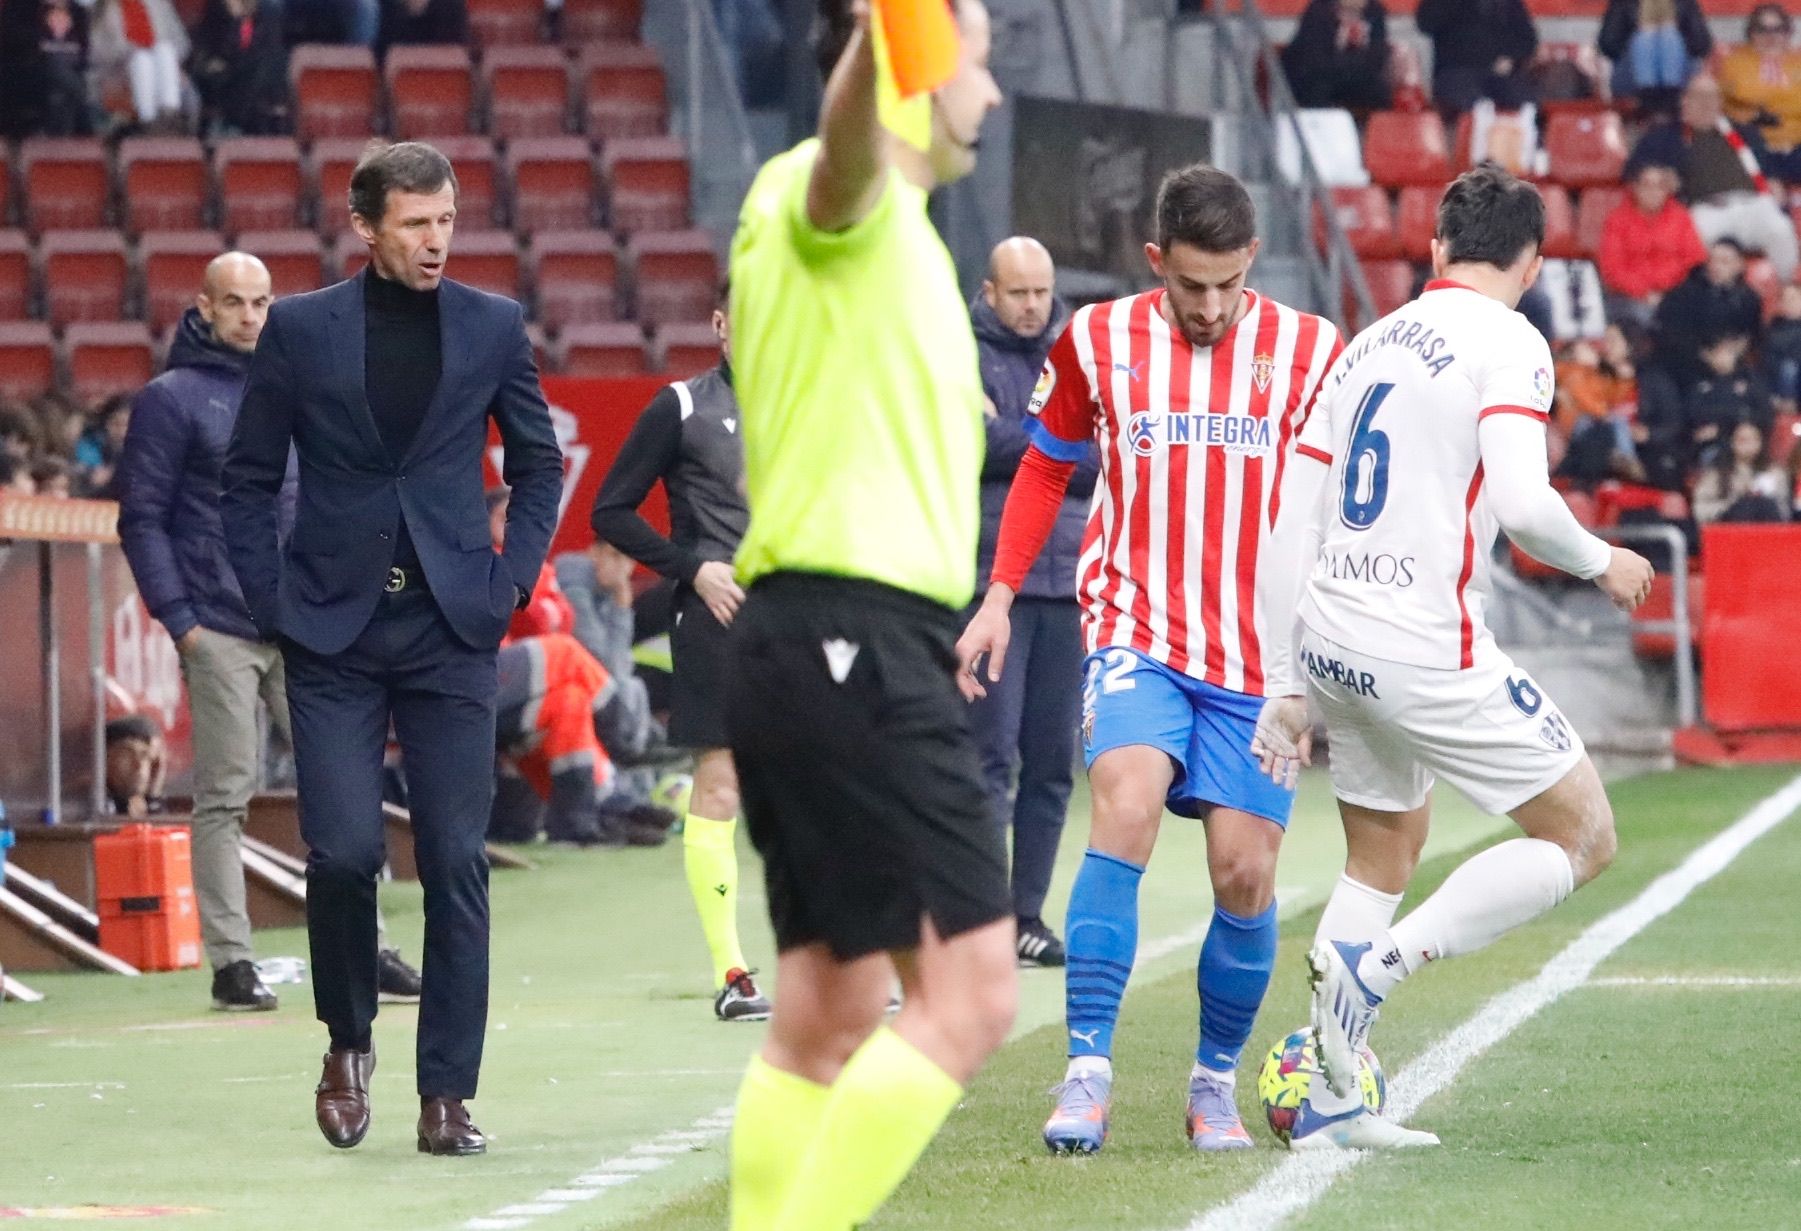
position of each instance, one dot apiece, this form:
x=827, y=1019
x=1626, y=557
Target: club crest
x=1263, y=370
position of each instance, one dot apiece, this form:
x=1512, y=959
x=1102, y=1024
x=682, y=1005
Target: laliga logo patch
x=1555, y=733
x=1088, y=726
x=1263, y=369
x=1141, y=431
x=1041, y=392
x=1541, y=388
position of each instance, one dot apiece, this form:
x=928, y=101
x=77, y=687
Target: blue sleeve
x=256, y=465
x=149, y=473
x=533, y=462
x=1055, y=447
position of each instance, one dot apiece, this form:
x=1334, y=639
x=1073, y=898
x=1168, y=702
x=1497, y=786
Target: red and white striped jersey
x=1192, y=446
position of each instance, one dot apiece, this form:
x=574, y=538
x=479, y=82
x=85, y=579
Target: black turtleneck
x=403, y=354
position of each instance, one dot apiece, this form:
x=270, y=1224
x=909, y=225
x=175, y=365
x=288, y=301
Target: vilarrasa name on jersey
x=1418, y=338
x=1148, y=431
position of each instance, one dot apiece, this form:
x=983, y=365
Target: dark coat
x=1620, y=23
x=168, y=484
x=1322, y=74
x=442, y=22
x=307, y=387
x=246, y=87
x=1473, y=34
x=1010, y=369
x=1696, y=312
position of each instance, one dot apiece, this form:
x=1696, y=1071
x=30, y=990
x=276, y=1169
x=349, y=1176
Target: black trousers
x=407, y=667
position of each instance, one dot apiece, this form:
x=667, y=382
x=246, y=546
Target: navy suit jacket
x=306, y=387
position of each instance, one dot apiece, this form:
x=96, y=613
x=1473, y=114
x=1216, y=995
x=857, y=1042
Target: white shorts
x=1488, y=731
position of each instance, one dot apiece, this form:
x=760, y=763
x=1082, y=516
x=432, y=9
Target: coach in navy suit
x=389, y=602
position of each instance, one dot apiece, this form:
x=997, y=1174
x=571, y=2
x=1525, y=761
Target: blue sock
x=1103, y=937
x=1233, y=975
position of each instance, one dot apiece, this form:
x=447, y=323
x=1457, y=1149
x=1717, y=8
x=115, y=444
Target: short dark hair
x=48, y=467
x=1489, y=217
x=1205, y=207
x=405, y=166
x=132, y=726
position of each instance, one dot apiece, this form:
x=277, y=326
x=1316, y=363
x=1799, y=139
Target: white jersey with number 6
x=1406, y=520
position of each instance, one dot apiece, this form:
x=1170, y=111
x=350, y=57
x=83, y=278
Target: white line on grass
x=1698, y=981
x=1302, y=1179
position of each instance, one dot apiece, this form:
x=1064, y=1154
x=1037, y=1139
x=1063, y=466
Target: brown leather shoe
x=444, y=1128
x=341, y=1100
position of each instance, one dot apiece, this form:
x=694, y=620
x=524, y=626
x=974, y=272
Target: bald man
x=169, y=525
x=1026, y=725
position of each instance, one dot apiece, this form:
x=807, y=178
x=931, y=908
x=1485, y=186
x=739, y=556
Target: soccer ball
x=1288, y=1072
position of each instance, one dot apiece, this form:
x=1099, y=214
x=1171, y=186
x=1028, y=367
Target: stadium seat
x=687, y=350
x=292, y=257
x=65, y=183
x=15, y=276
x=1416, y=220
x=600, y=350
x=335, y=91
x=478, y=192
x=624, y=90
x=6, y=182
x=346, y=258
x=1403, y=148
x=527, y=92
x=85, y=276
x=1367, y=220
x=260, y=184
x=534, y=334
x=505, y=23
x=164, y=184
x=488, y=260
x=588, y=21
x=1391, y=285
x=27, y=359
x=1561, y=240
x=552, y=183
x=647, y=183
x=108, y=357
x=328, y=167
x=1591, y=216
x=1585, y=150
x=431, y=91
x=675, y=276
x=1330, y=134
x=1660, y=604
x=574, y=276
x=174, y=266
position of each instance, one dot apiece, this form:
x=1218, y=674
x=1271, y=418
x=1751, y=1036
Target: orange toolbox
x=144, y=880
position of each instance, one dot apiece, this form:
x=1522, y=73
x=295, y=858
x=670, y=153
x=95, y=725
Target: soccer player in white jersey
x=1194, y=392
x=1430, y=435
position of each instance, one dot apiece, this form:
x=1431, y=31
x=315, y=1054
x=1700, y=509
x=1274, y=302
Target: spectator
x=1727, y=394
x=1722, y=168
x=1781, y=351
x=240, y=68
x=357, y=22
x=134, y=766
x=1742, y=485
x=19, y=439
x=1761, y=82
x=1657, y=432
x=1648, y=245
x=1480, y=49
x=1793, y=484
x=597, y=584
x=144, y=40
x=1714, y=301
x=1339, y=56
x=15, y=479
x=65, y=107
x=414, y=22
x=50, y=475
x=61, y=421
x=97, y=451
x=1597, y=395
x=1655, y=46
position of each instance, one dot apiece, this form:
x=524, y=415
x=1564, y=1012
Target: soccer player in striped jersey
x=1195, y=392
x=1429, y=437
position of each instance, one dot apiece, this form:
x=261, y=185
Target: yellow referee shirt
x=856, y=371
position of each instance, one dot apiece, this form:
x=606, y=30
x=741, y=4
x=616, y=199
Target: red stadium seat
x=478, y=192
x=431, y=91
x=15, y=276
x=624, y=91
x=331, y=163
x=1560, y=224
x=540, y=347
x=575, y=275
x=600, y=350
x=1367, y=220
x=1585, y=150
x=347, y=257
x=6, y=181
x=506, y=23
x=85, y=276
x=108, y=357
x=675, y=276
x=1591, y=216
x=528, y=92
x=688, y=350
x=292, y=257
x=27, y=359
x=486, y=259
x=1417, y=221
x=1391, y=285
x=552, y=180
x=1660, y=604
x=335, y=91
x=66, y=184
x=164, y=184
x=1406, y=147
x=589, y=21
x=647, y=179
x=174, y=266
x=328, y=168
x=260, y=184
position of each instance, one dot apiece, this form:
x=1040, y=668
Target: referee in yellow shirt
x=862, y=403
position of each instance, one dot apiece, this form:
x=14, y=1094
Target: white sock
x=1228, y=1078
x=1487, y=896
x=1355, y=912
x=1088, y=1066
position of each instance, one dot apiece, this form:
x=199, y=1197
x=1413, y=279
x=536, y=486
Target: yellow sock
x=711, y=858
x=777, y=1115
x=885, y=1108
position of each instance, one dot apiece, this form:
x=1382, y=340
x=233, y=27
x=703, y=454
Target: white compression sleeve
x=1528, y=508
x=1287, y=562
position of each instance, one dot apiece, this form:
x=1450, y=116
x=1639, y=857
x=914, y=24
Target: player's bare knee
x=1244, y=882
x=1596, y=841
x=1125, y=826
x=716, y=802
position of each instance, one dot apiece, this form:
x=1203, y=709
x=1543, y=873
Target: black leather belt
x=403, y=579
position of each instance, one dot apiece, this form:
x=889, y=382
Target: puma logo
x=839, y=656
x=731, y=425
x=1086, y=1037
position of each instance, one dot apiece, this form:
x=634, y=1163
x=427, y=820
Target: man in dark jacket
x=240, y=66
x=1480, y=49
x=1339, y=56
x=1714, y=301
x=1029, y=719
x=174, y=540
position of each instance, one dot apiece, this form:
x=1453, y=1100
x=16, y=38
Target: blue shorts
x=1128, y=698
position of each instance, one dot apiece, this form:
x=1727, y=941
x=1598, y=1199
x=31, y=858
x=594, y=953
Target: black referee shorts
x=700, y=648
x=860, y=782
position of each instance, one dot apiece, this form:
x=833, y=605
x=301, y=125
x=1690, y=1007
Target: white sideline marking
x=1690, y=981
x=1302, y=1179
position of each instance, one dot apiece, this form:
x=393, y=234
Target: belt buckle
x=396, y=580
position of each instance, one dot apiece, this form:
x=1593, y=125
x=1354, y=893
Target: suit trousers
x=406, y=667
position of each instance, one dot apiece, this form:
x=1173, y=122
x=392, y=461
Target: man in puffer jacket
x=1028, y=721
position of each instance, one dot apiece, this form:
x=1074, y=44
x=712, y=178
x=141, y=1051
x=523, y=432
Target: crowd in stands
x=53, y=446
